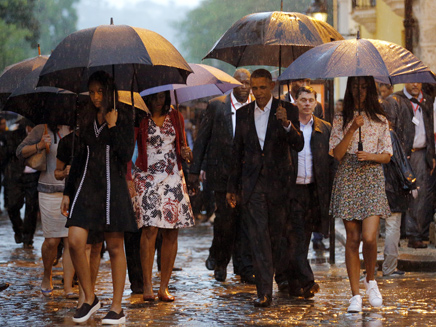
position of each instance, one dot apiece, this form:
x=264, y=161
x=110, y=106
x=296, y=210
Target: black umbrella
x=137, y=58
x=271, y=38
x=43, y=104
x=12, y=75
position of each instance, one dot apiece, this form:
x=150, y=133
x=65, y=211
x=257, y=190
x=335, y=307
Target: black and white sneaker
x=86, y=310
x=113, y=318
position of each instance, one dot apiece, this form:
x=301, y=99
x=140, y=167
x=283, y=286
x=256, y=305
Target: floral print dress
x=359, y=186
x=161, y=194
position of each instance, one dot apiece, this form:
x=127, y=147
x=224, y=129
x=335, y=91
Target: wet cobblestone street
x=202, y=301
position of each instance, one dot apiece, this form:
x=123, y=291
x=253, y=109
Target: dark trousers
x=224, y=231
x=420, y=212
x=295, y=266
x=24, y=190
x=242, y=258
x=265, y=217
x=132, y=244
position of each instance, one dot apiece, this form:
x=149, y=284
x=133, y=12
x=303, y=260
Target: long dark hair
x=109, y=88
x=166, y=108
x=371, y=106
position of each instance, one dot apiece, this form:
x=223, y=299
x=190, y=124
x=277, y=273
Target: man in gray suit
x=214, y=145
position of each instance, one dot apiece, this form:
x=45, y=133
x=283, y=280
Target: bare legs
x=115, y=247
x=48, y=253
x=369, y=229
x=148, y=241
x=169, y=252
x=168, y=256
x=93, y=254
x=68, y=268
x=77, y=237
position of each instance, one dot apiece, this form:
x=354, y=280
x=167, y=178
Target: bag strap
x=47, y=147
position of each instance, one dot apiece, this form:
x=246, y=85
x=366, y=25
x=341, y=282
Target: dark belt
x=418, y=149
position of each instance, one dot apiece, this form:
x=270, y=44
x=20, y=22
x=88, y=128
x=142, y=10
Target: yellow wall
x=389, y=25
x=389, y=28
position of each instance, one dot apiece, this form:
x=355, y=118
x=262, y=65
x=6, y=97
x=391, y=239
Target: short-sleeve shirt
x=375, y=135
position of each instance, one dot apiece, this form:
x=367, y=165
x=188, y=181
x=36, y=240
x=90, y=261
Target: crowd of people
x=278, y=173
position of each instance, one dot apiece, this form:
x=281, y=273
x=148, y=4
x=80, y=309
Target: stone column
x=425, y=13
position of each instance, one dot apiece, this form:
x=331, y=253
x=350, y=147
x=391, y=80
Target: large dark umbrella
x=136, y=57
x=271, y=38
x=12, y=75
x=383, y=60
x=43, y=104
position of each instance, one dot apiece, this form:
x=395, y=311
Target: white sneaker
x=355, y=304
x=375, y=297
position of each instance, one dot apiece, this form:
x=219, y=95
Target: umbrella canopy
x=42, y=104
x=12, y=75
x=205, y=81
x=126, y=97
x=386, y=62
x=136, y=57
x=271, y=38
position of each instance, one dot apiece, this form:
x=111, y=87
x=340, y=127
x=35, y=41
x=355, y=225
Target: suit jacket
x=274, y=160
x=323, y=171
x=399, y=112
x=215, y=138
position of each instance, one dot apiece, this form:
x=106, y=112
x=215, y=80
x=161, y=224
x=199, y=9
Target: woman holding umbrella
x=101, y=202
x=161, y=200
x=358, y=195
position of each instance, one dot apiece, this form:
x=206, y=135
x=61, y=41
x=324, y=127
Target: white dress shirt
x=235, y=106
x=305, y=159
x=261, y=121
x=420, y=140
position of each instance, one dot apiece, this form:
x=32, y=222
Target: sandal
x=47, y=292
x=72, y=296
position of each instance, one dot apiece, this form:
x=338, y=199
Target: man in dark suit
x=411, y=114
x=266, y=131
x=309, y=208
x=214, y=144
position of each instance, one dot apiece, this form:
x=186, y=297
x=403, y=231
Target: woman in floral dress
x=358, y=195
x=161, y=198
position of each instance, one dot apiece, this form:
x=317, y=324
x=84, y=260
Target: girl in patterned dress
x=160, y=198
x=358, y=195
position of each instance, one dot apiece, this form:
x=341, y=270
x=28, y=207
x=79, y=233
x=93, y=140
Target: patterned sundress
x=359, y=186
x=161, y=194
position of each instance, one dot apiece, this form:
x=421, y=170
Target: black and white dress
x=101, y=201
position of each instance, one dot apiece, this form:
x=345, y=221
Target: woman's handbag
x=38, y=161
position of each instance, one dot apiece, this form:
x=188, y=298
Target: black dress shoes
x=319, y=246
x=296, y=292
x=220, y=274
x=417, y=245
x=262, y=302
x=310, y=290
x=3, y=286
x=283, y=286
x=248, y=279
x=210, y=263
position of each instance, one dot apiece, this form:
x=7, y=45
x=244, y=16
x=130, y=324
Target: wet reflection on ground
x=202, y=301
